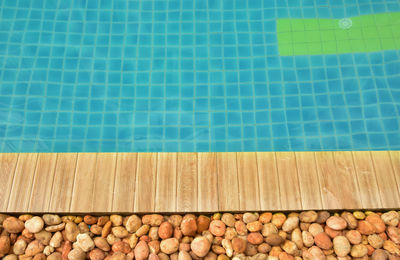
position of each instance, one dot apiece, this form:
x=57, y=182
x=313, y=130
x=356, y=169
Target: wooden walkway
x=198, y=182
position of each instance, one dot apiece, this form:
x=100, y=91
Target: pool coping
x=198, y=182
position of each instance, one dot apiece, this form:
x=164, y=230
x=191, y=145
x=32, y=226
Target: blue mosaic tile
x=176, y=76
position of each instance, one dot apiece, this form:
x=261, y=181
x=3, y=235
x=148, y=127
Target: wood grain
x=192, y=182
x=308, y=180
x=8, y=163
x=104, y=182
x=125, y=182
x=63, y=183
x=82, y=195
x=370, y=195
x=187, y=189
x=208, y=182
x=43, y=182
x=22, y=183
x=227, y=182
x=166, y=182
x=249, y=194
x=268, y=176
x=288, y=181
x=347, y=177
x=386, y=179
x=145, y=182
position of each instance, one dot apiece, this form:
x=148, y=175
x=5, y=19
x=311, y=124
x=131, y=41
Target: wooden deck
x=198, y=182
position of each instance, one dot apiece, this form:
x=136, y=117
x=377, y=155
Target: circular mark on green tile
x=345, y=23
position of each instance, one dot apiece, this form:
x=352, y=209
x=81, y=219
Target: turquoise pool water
x=188, y=75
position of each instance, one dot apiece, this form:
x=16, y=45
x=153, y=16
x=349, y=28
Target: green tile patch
x=365, y=33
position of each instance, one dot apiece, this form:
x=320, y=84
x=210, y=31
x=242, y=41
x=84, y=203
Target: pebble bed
x=272, y=236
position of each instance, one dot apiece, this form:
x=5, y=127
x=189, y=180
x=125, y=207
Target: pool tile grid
x=217, y=84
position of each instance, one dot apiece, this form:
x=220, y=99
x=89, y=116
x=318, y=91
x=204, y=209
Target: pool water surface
x=199, y=75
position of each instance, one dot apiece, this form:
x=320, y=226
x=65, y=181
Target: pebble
x=354, y=236
x=200, y=246
x=323, y=241
x=189, y=226
x=394, y=234
x=85, y=242
x=102, y=243
x=391, y=218
x=341, y=245
x=239, y=245
x=34, y=224
x=13, y=225
x=116, y=220
x=18, y=248
x=5, y=244
x=169, y=246
x=153, y=220
x=96, y=254
x=166, y=230
x=34, y=248
x=43, y=237
x=76, y=254
x=295, y=236
x=308, y=216
x=278, y=219
x=141, y=251
x=71, y=231
x=336, y=223
x=359, y=250
x=265, y=217
x=377, y=222
x=375, y=241
x=366, y=228
x=133, y=223
x=274, y=240
x=255, y=238
x=228, y=219
x=217, y=228
x=250, y=217
x=290, y=224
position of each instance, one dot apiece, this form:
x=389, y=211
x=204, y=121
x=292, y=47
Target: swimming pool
x=204, y=75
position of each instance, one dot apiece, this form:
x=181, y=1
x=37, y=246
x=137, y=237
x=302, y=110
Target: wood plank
x=270, y=198
x=145, y=182
x=308, y=180
x=346, y=175
x=227, y=182
x=288, y=181
x=63, y=182
x=22, y=183
x=395, y=158
x=82, y=195
x=104, y=182
x=330, y=186
x=249, y=194
x=125, y=182
x=208, y=182
x=166, y=182
x=8, y=163
x=43, y=182
x=187, y=189
x=386, y=179
x=369, y=191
